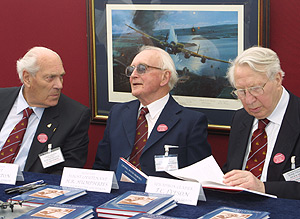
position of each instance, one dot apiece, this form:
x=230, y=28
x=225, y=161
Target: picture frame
x=117, y=28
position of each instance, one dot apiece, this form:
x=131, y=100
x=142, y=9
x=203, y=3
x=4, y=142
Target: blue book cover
x=63, y=211
x=146, y=216
x=49, y=194
x=226, y=212
x=132, y=202
x=166, y=208
x=126, y=172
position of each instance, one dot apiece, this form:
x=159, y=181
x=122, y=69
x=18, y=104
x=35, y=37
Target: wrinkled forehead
x=149, y=57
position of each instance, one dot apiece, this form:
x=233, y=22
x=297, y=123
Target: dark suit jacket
x=186, y=129
x=287, y=143
x=69, y=130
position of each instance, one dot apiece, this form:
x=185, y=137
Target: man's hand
x=244, y=179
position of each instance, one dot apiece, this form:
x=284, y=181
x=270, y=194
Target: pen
x=293, y=162
x=15, y=189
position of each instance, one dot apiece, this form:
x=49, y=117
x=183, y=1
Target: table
x=278, y=208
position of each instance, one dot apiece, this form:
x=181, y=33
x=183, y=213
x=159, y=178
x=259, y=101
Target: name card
x=8, y=173
x=185, y=192
x=90, y=180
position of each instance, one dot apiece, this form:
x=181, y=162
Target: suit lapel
x=287, y=138
x=47, y=126
x=129, y=117
x=167, y=117
x=7, y=103
x=242, y=142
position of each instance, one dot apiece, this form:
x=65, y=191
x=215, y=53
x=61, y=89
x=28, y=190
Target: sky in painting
x=178, y=19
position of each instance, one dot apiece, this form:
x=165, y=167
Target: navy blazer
x=287, y=143
x=69, y=121
x=186, y=129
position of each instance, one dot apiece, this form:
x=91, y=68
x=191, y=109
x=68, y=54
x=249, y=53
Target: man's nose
x=58, y=83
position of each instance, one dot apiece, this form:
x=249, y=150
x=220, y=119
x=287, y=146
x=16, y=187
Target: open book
x=210, y=175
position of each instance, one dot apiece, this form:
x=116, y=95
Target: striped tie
x=140, y=138
x=259, y=142
x=13, y=143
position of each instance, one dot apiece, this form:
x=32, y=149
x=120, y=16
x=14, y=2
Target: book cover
x=160, y=211
x=226, y=212
x=63, y=211
x=126, y=172
x=166, y=208
x=146, y=216
x=49, y=194
x=132, y=202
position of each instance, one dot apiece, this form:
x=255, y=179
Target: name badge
x=293, y=175
x=91, y=180
x=51, y=157
x=166, y=163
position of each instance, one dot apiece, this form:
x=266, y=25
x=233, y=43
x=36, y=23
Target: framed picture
x=202, y=37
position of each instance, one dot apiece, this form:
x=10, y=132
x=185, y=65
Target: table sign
x=8, y=173
x=185, y=192
x=91, y=180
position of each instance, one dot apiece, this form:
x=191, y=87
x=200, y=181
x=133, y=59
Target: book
x=49, y=194
x=158, y=212
x=209, y=174
x=63, y=211
x=126, y=172
x=226, y=212
x=132, y=203
x=146, y=216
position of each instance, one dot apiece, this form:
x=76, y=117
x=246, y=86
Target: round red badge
x=162, y=128
x=42, y=138
x=279, y=158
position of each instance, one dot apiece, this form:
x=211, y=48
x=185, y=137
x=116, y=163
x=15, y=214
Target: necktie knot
x=144, y=111
x=27, y=112
x=262, y=123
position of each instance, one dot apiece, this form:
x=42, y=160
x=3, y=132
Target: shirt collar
x=22, y=104
x=279, y=111
x=156, y=106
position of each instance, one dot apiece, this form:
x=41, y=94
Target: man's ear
x=165, y=78
x=27, y=78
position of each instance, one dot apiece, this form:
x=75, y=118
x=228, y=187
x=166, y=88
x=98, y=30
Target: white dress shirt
x=155, y=110
x=15, y=115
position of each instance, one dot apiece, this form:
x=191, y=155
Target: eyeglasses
x=254, y=91
x=141, y=69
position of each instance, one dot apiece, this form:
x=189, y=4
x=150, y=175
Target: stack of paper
x=209, y=174
x=132, y=203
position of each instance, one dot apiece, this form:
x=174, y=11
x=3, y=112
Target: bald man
x=56, y=122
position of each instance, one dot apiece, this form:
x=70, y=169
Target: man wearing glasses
x=152, y=75
x=264, y=148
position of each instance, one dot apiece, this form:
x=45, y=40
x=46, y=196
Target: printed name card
x=90, y=180
x=185, y=192
x=8, y=173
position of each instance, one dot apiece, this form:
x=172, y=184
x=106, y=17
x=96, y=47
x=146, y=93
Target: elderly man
x=152, y=75
x=264, y=146
x=37, y=122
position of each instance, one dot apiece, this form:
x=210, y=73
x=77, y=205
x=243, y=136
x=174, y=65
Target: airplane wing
x=174, y=48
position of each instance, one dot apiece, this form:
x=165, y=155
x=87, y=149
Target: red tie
x=140, y=138
x=259, y=142
x=13, y=143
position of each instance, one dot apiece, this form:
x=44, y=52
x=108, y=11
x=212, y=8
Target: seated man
x=54, y=120
x=264, y=138
x=152, y=75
